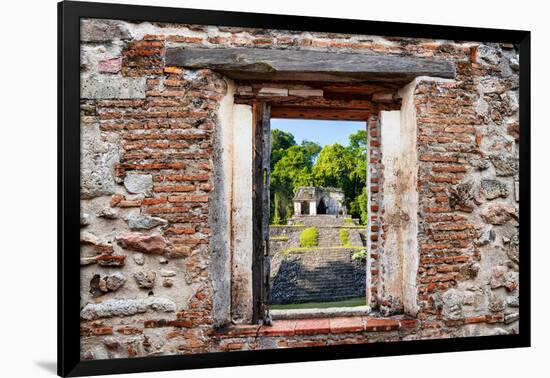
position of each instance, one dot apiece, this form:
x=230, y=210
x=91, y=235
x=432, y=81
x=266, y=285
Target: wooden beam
x=320, y=113
x=284, y=102
x=271, y=64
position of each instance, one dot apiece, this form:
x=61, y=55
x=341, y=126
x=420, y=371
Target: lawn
x=353, y=302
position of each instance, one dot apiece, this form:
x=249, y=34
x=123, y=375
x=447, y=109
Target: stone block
x=126, y=307
x=112, y=65
x=93, y=30
x=109, y=87
x=492, y=189
x=143, y=222
x=137, y=183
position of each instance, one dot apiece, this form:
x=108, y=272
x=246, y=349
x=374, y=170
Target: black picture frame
x=69, y=15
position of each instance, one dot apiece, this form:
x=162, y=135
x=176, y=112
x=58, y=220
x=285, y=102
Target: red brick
x=102, y=331
x=347, y=324
x=188, y=198
x=450, y=168
x=438, y=158
x=378, y=324
x=115, y=199
x=233, y=346
x=408, y=323
x=180, y=323
x=174, y=188
x=127, y=330
x=173, y=70
x=180, y=231
x=312, y=326
x=475, y=319
x=279, y=328
x=130, y=203
x=306, y=344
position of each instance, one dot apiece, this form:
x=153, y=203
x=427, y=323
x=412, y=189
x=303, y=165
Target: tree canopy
x=308, y=164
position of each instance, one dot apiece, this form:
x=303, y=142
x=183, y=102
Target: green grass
x=344, y=236
x=309, y=237
x=359, y=255
x=349, y=221
x=353, y=302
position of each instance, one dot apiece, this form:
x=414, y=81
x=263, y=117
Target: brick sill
x=320, y=313
x=318, y=326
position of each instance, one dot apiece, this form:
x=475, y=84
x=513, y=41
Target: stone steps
x=318, y=275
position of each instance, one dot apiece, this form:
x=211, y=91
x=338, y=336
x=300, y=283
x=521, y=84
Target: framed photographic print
x=252, y=188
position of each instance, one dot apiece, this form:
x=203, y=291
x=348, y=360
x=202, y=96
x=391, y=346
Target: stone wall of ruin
x=155, y=195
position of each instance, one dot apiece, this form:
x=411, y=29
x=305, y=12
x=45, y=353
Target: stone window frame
x=381, y=293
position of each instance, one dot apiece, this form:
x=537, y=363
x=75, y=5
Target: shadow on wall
x=333, y=281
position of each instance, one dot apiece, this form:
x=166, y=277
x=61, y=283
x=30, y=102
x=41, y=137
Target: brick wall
x=151, y=192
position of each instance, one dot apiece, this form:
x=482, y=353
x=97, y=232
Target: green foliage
x=358, y=141
x=344, y=236
x=276, y=209
x=309, y=237
x=333, y=167
x=308, y=164
x=279, y=141
x=359, y=206
x=349, y=221
x=360, y=255
x=290, y=168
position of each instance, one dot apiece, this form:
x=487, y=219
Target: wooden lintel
x=320, y=103
x=297, y=112
x=303, y=65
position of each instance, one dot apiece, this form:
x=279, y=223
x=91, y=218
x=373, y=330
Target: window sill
x=320, y=326
x=320, y=313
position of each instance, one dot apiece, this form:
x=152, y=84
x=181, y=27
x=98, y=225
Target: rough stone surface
x=497, y=302
x=499, y=214
x=138, y=258
x=110, y=87
x=167, y=273
x=108, y=213
x=111, y=260
x=102, y=30
x=513, y=249
x=488, y=236
x=112, y=65
x=115, y=281
x=143, y=222
x=112, y=282
x=145, y=279
x=139, y=183
x=492, y=189
x=452, y=302
x=98, y=159
x=84, y=219
x=126, y=307
x=505, y=165
x=89, y=260
x=154, y=243
x=87, y=237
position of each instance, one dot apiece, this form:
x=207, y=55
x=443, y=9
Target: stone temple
x=312, y=200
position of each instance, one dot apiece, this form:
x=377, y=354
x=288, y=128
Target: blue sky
x=318, y=131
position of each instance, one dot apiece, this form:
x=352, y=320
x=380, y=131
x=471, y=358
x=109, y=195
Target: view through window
x=318, y=214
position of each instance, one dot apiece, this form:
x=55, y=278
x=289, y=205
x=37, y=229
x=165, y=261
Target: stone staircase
x=324, y=273
x=318, y=275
